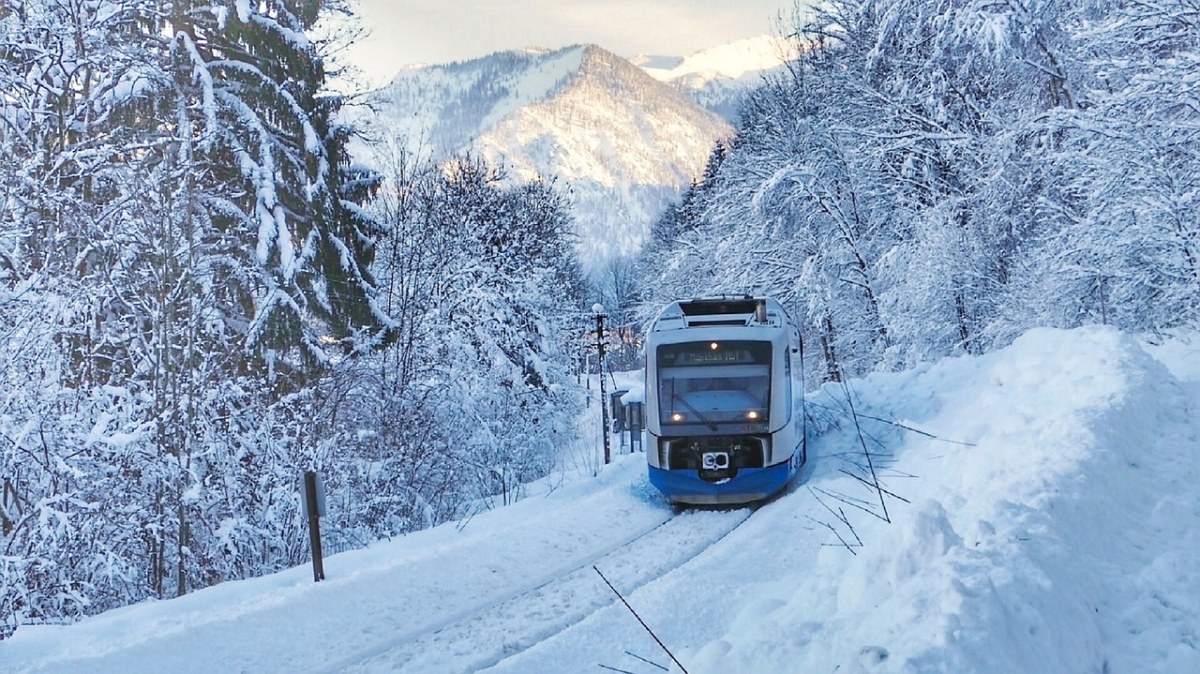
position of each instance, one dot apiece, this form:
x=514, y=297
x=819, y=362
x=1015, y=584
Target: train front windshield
x=716, y=382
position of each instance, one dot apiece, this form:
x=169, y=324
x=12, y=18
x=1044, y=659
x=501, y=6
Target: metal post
x=599, y=310
x=312, y=505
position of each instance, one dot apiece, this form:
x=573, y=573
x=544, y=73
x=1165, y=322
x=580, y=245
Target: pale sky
x=439, y=31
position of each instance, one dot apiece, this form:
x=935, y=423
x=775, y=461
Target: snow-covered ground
x=1044, y=517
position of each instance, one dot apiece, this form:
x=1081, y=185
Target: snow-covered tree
x=501, y=321
x=1129, y=252
x=183, y=220
x=469, y=401
x=259, y=117
x=934, y=178
x=63, y=69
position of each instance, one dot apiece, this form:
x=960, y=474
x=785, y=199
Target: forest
x=934, y=178
x=203, y=294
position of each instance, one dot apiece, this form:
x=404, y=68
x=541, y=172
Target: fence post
x=314, y=504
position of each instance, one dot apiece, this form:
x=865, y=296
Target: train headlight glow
x=752, y=415
x=714, y=346
x=676, y=417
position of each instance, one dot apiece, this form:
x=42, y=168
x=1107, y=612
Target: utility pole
x=598, y=310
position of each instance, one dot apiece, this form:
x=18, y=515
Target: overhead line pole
x=599, y=311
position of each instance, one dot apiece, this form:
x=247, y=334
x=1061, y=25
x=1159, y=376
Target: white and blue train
x=724, y=400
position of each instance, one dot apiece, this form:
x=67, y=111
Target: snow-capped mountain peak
x=728, y=61
x=443, y=107
x=720, y=76
x=621, y=142
x=650, y=62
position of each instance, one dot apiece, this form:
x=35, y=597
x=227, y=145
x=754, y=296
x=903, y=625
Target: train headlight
x=676, y=417
x=752, y=415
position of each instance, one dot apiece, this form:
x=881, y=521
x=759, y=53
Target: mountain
x=720, y=76
x=619, y=142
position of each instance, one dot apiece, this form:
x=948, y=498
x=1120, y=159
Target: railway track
x=484, y=634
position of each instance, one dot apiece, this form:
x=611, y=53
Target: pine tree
x=264, y=124
x=182, y=218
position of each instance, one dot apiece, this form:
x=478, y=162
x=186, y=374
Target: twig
x=648, y=662
x=853, y=502
x=639, y=619
x=840, y=515
x=870, y=463
x=918, y=431
x=462, y=523
x=829, y=526
x=860, y=479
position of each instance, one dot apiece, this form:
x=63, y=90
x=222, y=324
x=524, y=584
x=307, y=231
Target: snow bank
x=1057, y=541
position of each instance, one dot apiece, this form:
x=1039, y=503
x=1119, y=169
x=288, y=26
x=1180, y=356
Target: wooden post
x=313, y=500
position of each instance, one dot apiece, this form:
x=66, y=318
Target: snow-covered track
x=484, y=635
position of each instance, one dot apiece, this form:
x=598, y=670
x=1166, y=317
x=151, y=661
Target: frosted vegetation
x=936, y=178
x=202, y=296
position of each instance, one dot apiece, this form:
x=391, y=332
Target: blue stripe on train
x=751, y=483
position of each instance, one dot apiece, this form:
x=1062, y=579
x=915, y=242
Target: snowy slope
x=623, y=143
x=1049, y=523
x=720, y=76
x=442, y=108
x=620, y=144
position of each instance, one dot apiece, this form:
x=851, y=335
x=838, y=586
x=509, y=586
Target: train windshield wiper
x=703, y=419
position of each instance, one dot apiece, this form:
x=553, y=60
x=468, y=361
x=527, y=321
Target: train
x=724, y=400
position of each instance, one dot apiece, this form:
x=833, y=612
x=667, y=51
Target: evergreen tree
x=263, y=124
x=183, y=220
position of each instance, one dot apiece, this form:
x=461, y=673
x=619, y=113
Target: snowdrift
x=1061, y=539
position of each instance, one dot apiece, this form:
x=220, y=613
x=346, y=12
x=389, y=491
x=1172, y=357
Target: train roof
x=722, y=311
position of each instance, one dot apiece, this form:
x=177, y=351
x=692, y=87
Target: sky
x=1042, y=517
x=404, y=32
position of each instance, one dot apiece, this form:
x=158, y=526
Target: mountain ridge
x=719, y=77
x=621, y=143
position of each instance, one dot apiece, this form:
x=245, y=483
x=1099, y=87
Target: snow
x=719, y=77
x=734, y=60
x=546, y=75
x=448, y=105
x=1049, y=522
x=619, y=144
